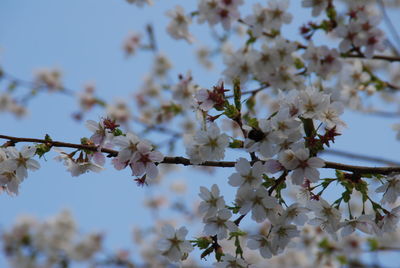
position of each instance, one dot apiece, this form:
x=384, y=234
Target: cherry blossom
x=247, y=175
x=317, y=6
x=178, y=27
x=219, y=224
x=390, y=189
x=228, y=261
x=211, y=143
x=173, y=244
x=263, y=244
x=144, y=160
x=212, y=201
x=21, y=161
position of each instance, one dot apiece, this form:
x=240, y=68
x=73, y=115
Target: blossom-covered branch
x=179, y=160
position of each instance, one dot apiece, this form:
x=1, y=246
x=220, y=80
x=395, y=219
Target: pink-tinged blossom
x=144, y=160
x=247, y=175
x=373, y=41
x=204, y=99
x=132, y=43
x=173, y=243
x=100, y=133
x=219, y=224
x=273, y=166
x=178, y=27
x=128, y=146
x=212, y=201
x=307, y=167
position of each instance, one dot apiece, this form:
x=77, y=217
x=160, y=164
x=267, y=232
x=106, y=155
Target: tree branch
x=375, y=57
x=179, y=160
x=387, y=162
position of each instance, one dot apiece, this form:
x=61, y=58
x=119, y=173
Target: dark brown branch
x=375, y=57
x=178, y=160
x=280, y=180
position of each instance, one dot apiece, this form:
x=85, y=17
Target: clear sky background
x=84, y=39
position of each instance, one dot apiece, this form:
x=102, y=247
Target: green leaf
x=252, y=122
x=298, y=63
x=250, y=103
x=373, y=244
x=236, y=144
x=237, y=93
x=202, y=242
x=117, y=132
x=346, y=196
x=231, y=111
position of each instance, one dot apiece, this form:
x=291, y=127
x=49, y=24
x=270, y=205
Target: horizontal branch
x=179, y=160
x=375, y=57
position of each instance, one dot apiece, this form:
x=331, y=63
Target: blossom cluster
x=52, y=241
x=279, y=128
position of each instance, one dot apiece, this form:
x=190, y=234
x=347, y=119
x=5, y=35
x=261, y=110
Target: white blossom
x=219, y=224
x=211, y=143
x=212, y=201
x=364, y=223
x=228, y=261
x=247, y=175
x=317, y=6
x=173, y=244
x=21, y=161
x=263, y=244
x=261, y=204
x=390, y=220
x=326, y=216
x=178, y=26
x=390, y=189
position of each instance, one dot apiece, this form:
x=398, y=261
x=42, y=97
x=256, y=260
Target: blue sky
x=84, y=40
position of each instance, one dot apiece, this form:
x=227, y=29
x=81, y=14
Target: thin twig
x=389, y=24
x=361, y=157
